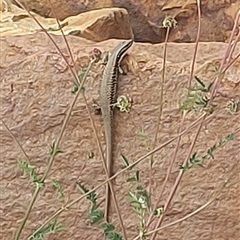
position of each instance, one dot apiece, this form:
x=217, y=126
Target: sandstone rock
x=146, y=17
x=96, y=25
x=62, y=9
x=99, y=25
x=36, y=87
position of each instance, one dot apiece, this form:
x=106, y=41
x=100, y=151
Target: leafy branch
x=134, y=178
x=198, y=98
x=97, y=216
x=198, y=161
x=51, y=228
x=140, y=202
x=54, y=150
x=30, y=170
x=59, y=189
x=233, y=107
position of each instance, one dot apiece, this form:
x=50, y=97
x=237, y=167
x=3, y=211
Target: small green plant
x=193, y=161
x=54, y=150
x=198, y=161
x=233, y=107
x=78, y=82
x=59, y=189
x=140, y=202
x=139, y=199
x=144, y=136
x=30, y=170
x=133, y=178
x=51, y=228
x=198, y=98
x=96, y=216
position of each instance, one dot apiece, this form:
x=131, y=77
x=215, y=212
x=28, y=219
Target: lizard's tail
x=109, y=171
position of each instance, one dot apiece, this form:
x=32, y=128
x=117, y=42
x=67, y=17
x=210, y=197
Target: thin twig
x=15, y=139
x=230, y=50
x=52, y=158
x=177, y=181
x=50, y=37
x=216, y=85
x=160, y=112
x=182, y=119
x=227, y=55
x=216, y=195
x=189, y=154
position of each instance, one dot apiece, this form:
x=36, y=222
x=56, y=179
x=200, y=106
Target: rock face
x=96, y=25
x=36, y=87
x=146, y=17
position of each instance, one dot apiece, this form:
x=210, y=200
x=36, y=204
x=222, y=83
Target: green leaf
x=82, y=188
x=30, y=170
x=210, y=86
x=199, y=81
x=82, y=74
x=75, y=87
x=132, y=179
x=137, y=175
x=59, y=189
x=51, y=228
x=142, y=133
x=53, y=150
x=96, y=216
x=229, y=137
x=211, y=150
x=107, y=227
x=125, y=160
x=91, y=196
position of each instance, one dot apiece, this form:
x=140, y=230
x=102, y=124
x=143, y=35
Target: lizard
x=108, y=89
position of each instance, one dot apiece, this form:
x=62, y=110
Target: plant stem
x=15, y=139
x=177, y=181
x=216, y=195
x=160, y=112
x=51, y=160
x=182, y=120
x=59, y=211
